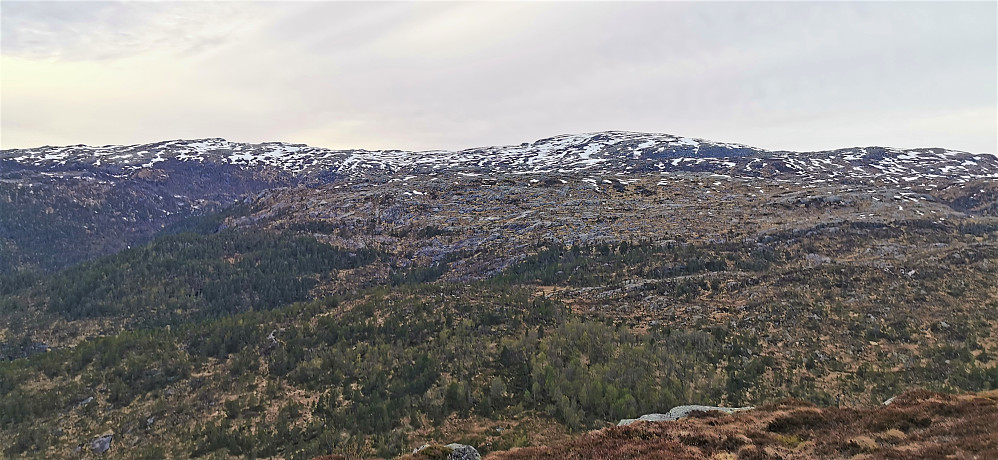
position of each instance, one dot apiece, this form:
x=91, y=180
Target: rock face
x=679, y=412
x=101, y=444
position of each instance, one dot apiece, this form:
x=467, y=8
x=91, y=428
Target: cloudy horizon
x=423, y=76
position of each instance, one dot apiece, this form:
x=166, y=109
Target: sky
x=798, y=76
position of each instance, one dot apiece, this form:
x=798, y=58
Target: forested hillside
x=242, y=343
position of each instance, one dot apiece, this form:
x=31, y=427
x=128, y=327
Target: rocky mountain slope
x=62, y=205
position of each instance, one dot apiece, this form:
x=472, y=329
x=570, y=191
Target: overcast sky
x=795, y=76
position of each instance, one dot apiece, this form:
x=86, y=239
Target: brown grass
x=917, y=425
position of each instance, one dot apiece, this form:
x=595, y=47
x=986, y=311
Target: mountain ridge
x=479, y=147
x=599, y=152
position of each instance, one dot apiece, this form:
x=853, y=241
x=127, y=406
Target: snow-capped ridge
x=596, y=153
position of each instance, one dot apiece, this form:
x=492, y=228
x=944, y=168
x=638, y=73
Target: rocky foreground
x=915, y=425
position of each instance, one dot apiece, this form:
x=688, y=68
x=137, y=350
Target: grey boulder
x=455, y=451
x=463, y=452
x=101, y=444
x=679, y=412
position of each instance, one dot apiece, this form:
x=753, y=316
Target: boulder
x=645, y=418
x=101, y=444
x=463, y=452
x=450, y=452
x=679, y=412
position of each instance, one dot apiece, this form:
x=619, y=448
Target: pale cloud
x=801, y=76
x=110, y=30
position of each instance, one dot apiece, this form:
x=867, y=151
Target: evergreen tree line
x=189, y=276
x=605, y=263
